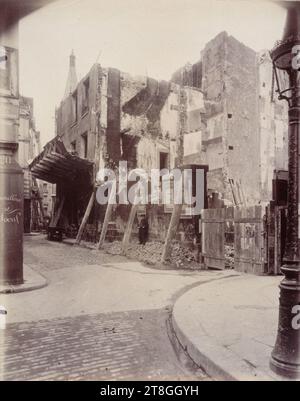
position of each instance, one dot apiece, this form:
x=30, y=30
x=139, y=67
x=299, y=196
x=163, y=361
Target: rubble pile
x=151, y=253
x=229, y=256
x=181, y=256
x=114, y=248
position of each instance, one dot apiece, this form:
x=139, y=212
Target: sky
x=141, y=37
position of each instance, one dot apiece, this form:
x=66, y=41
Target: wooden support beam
x=175, y=218
x=54, y=172
x=62, y=161
x=41, y=169
x=56, y=216
x=238, y=191
x=243, y=194
x=107, y=216
x=45, y=177
x=129, y=226
x=233, y=192
x=177, y=209
x=85, y=218
x=52, y=164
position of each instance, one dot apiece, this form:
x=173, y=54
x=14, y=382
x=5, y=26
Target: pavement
x=229, y=326
x=104, y=317
x=100, y=317
x=32, y=281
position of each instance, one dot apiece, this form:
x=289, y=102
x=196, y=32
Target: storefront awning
x=55, y=164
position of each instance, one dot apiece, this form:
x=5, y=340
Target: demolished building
x=231, y=123
x=245, y=138
x=109, y=117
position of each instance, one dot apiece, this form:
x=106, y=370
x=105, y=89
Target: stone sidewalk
x=100, y=317
x=32, y=281
x=229, y=326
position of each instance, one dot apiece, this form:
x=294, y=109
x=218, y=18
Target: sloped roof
x=55, y=164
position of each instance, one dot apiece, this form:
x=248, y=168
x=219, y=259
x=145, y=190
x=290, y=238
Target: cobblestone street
x=99, y=318
x=119, y=346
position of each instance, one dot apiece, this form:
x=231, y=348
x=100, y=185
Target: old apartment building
x=111, y=116
x=36, y=206
x=29, y=147
x=232, y=123
x=245, y=138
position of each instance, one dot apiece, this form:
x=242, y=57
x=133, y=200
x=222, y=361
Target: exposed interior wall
x=240, y=120
x=242, y=145
x=113, y=135
x=75, y=115
x=213, y=74
x=273, y=127
x=230, y=123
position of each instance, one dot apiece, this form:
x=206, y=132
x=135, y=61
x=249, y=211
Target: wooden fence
x=248, y=223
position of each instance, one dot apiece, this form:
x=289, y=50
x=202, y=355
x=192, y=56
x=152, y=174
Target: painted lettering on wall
x=10, y=215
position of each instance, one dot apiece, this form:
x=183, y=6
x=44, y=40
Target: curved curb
x=35, y=282
x=216, y=360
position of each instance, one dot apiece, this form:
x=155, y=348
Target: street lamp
x=285, y=359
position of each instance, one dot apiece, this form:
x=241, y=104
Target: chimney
x=72, y=77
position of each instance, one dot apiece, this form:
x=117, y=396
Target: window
x=74, y=107
x=45, y=187
x=85, y=100
x=163, y=160
x=84, y=139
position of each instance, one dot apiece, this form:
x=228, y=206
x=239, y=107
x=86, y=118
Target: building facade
x=220, y=112
x=29, y=147
x=245, y=138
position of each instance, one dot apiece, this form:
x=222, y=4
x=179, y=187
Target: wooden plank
x=55, y=168
x=85, y=218
x=56, y=216
x=129, y=226
x=107, y=217
x=53, y=164
x=44, y=170
x=175, y=218
x=233, y=192
x=213, y=238
x=249, y=241
x=181, y=131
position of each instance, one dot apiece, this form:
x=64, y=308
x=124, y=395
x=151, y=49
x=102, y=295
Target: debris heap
x=229, y=256
x=151, y=252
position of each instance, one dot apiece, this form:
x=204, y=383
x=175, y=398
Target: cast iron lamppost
x=11, y=174
x=285, y=358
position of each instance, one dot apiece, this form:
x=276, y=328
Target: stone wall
x=273, y=127
x=246, y=126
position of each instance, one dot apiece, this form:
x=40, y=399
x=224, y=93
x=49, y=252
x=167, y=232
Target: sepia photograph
x=149, y=193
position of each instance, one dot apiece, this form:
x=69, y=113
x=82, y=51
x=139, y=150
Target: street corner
x=219, y=325
x=33, y=280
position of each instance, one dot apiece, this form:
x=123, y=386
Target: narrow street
x=99, y=318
